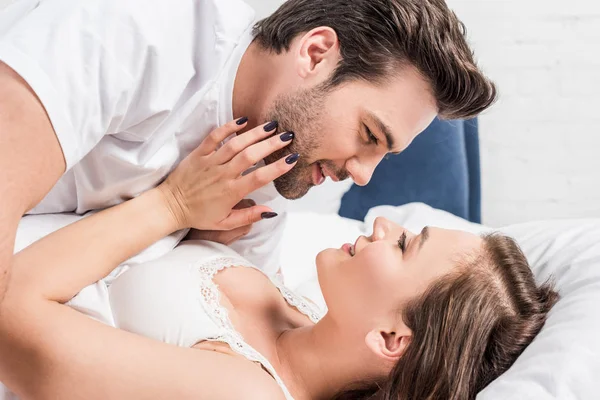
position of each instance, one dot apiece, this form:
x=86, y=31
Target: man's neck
x=253, y=83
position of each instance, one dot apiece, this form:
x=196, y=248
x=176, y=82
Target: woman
x=436, y=315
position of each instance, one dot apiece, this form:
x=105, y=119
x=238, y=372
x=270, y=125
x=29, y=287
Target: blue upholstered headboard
x=440, y=168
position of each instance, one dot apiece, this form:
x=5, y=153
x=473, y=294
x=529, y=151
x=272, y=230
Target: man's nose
x=361, y=172
x=363, y=179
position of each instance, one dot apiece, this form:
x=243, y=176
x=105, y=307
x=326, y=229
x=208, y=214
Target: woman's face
x=366, y=284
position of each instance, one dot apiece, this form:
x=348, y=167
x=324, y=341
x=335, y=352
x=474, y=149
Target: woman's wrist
x=170, y=207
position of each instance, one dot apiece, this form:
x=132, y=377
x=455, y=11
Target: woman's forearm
x=59, y=265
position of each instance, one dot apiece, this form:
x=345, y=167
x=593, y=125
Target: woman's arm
x=50, y=351
x=59, y=265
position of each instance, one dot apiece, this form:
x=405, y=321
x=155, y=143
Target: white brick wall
x=541, y=142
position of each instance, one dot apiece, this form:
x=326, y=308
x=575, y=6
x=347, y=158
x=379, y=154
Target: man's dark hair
x=379, y=37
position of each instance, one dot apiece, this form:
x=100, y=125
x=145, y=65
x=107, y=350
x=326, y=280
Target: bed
x=435, y=182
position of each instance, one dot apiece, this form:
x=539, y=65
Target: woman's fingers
x=246, y=217
x=202, y=192
x=226, y=237
x=240, y=143
x=257, y=152
x=214, y=139
x=223, y=237
x=265, y=175
x=230, y=237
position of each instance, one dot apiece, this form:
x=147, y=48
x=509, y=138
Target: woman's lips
x=347, y=247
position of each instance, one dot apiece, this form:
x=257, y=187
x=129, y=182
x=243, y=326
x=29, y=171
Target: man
x=100, y=99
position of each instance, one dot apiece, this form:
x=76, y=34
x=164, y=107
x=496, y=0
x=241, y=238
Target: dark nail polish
x=292, y=158
x=286, y=137
x=271, y=125
x=268, y=215
x=242, y=121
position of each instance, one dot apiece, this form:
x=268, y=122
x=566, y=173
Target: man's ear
x=319, y=52
x=389, y=345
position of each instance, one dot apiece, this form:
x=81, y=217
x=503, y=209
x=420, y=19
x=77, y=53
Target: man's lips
x=328, y=173
x=317, y=174
x=320, y=172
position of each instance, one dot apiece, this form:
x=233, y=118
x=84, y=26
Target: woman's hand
x=224, y=237
x=202, y=191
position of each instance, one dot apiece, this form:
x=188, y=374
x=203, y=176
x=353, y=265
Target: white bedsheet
x=560, y=364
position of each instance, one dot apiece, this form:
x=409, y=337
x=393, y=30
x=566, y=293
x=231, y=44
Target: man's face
x=346, y=131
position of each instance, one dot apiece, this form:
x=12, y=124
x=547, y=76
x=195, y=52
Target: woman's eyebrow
x=424, y=236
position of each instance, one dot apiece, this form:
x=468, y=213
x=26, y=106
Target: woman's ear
x=389, y=345
x=319, y=52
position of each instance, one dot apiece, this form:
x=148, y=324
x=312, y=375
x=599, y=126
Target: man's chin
x=291, y=190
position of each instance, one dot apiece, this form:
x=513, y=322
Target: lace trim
x=211, y=295
x=310, y=310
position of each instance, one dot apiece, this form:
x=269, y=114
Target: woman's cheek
x=384, y=269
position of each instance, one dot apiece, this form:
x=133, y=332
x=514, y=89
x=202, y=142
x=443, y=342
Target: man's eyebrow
x=424, y=237
x=387, y=132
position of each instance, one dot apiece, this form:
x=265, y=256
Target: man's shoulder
x=156, y=12
x=199, y=11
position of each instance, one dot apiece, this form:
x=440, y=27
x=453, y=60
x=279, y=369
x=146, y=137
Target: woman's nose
x=380, y=228
x=383, y=228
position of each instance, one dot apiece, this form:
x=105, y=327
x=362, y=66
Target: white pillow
x=564, y=359
x=563, y=362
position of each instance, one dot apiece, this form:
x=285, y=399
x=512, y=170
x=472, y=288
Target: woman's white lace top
x=175, y=300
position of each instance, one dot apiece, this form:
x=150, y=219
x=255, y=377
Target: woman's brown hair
x=378, y=37
x=467, y=328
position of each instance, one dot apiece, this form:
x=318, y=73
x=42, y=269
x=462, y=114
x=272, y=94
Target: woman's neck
x=318, y=362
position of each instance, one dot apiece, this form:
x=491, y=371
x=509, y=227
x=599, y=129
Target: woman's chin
x=327, y=262
x=321, y=262
x=327, y=258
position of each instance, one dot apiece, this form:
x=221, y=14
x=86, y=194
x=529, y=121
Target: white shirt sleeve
x=263, y=245
x=99, y=66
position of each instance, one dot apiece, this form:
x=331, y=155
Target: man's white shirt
x=131, y=88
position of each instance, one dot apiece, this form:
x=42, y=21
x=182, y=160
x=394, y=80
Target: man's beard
x=301, y=113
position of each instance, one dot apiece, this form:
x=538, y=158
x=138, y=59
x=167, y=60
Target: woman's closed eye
x=402, y=242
